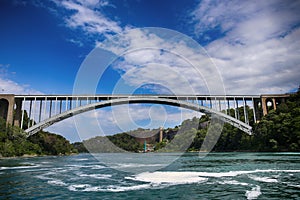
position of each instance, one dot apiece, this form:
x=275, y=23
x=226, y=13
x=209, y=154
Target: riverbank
x=36, y=155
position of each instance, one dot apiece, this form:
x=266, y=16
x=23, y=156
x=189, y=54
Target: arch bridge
x=45, y=110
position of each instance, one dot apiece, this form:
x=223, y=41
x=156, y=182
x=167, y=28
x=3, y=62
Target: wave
x=165, y=178
x=237, y=173
x=264, y=179
x=134, y=165
x=254, y=193
x=96, y=176
x=78, y=187
x=87, y=166
x=293, y=185
x=45, y=176
x=232, y=182
x=56, y=182
x=111, y=188
x=161, y=179
x=186, y=177
x=33, y=170
x=19, y=167
x=97, y=166
x=169, y=177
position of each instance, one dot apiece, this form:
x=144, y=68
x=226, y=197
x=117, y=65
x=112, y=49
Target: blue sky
x=254, y=45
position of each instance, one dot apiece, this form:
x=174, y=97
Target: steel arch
x=133, y=100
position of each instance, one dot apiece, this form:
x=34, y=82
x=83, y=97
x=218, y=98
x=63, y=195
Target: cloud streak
x=88, y=17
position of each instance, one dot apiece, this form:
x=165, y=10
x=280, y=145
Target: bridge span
x=45, y=110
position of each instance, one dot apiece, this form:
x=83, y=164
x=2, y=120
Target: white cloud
x=8, y=86
x=182, y=69
x=166, y=58
x=93, y=3
x=259, y=52
x=87, y=15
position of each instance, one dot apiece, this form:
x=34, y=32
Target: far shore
x=34, y=155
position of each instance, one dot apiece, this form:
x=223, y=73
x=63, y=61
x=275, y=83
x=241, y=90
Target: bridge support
x=160, y=134
x=273, y=100
x=7, y=107
x=18, y=112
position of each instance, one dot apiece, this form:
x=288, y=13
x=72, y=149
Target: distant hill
x=121, y=142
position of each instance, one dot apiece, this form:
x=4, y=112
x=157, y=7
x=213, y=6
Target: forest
x=279, y=130
x=14, y=142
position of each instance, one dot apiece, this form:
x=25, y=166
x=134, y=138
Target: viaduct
x=45, y=110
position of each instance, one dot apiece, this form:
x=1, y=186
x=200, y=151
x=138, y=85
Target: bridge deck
x=109, y=96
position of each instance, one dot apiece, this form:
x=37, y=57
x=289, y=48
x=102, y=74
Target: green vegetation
x=279, y=130
x=114, y=143
x=52, y=144
x=13, y=142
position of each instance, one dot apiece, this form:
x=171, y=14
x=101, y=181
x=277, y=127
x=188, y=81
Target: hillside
x=13, y=142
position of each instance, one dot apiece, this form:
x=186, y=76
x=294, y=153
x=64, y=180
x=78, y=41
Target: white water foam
x=169, y=177
x=232, y=182
x=111, y=188
x=293, y=185
x=117, y=188
x=45, y=176
x=191, y=177
x=236, y=173
x=33, y=170
x=20, y=167
x=136, y=165
x=98, y=167
x=188, y=177
x=78, y=187
x=264, y=179
x=96, y=176
x=56, y=182
x=86, y=166
x=253, y=193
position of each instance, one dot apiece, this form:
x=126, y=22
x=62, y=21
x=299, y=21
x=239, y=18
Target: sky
x=252, y=47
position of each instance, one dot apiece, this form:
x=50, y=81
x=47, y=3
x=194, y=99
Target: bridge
x=45, y=110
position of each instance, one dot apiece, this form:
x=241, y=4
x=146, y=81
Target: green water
x=145, y=176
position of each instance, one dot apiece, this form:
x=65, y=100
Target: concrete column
x=274, y=103
x=160, y=134
x=264, y=105
x=17, y=120
x=10, y=98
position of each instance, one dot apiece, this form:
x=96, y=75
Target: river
x=216, y=176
